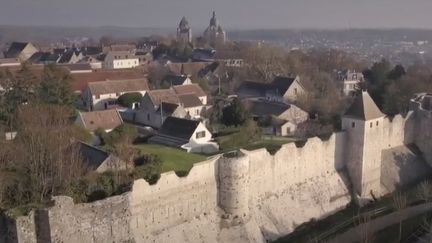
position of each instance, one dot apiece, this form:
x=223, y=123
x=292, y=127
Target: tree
x=55, y=87
x=424, y=191
x=19, y=89
x=41, y=160
x=396, y=73
x=128, y=99
x=234, y=114
x=399, y=203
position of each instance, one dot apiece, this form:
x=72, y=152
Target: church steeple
x=213, y=20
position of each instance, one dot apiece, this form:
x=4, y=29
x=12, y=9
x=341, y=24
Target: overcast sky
x=233, y=14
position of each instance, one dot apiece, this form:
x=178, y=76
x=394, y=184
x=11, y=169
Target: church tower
x=184, y=32
x=363, y=125
x=214, y=34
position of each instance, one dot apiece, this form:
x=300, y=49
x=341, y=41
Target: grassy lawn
x=172, y=158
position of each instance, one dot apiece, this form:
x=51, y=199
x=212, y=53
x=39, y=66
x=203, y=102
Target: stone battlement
x=247, y=196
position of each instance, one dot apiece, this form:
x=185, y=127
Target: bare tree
x=424, y=191
x=399, y=203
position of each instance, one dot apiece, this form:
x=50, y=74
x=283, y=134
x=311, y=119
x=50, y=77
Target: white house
x=120, y=60
x=187, y=134
x=101, y=95
x=350, y=81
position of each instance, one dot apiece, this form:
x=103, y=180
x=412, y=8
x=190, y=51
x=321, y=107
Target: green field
x=172, y=159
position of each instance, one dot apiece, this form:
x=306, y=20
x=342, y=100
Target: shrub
x=128, y=99
x=147, y=167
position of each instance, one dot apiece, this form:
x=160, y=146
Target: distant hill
x=41, y=33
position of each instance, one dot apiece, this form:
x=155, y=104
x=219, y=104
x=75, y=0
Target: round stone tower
x=234, y=186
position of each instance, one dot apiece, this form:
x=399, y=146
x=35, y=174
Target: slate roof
x=175, y=79
x=189, y=68
x=265, y=108
x=189, y=89
x=163, y=95
x=92, y=156
x=178, y=128
x=190, y=100
x=15, y=49
x=106, y=119
x=282, y=84
x=364, y=108
x=168, y=108
x=279, y=85
x=66, y=57
x=118, y=86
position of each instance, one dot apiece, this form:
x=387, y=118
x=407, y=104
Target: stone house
x=188, y=134
x=104, y=94
x=157, y=105
x=93, y=120
x=120, y=60
x=192, y=105
x=276, y=118
x=281, y=89
x=21, y=50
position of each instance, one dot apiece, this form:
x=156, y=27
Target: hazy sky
x=231, y=13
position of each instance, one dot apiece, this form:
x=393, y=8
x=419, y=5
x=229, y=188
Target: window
x=353, y=124
x=377, y=123
x=295, y=90
x=371, y=124
x=288, y=130
x=200, y=134
x=117, y=94
x=197, y=112
x=148, y=117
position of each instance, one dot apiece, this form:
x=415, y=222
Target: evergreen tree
x=55, y=87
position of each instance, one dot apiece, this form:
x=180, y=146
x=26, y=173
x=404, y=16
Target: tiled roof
x=189, y=68
x=364, y=108
x=190, y=100
x=118, y=86
x=163, y=95
x=80, y=80
x=189, y=89
x=106, y=119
